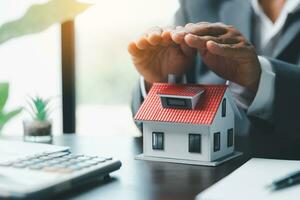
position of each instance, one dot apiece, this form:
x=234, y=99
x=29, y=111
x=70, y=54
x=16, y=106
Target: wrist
x=254, y=85
x=148, y=86
x=255, y=78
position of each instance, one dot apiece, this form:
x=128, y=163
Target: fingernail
x=191, y=36
x=211, y=41
x=178, y=32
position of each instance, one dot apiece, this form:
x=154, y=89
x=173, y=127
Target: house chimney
x=180, y=96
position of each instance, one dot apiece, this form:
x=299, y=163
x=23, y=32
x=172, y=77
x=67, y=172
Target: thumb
x=196, y=42
x=225, y=50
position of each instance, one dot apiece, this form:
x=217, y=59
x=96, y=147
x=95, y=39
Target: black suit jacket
x=286, y=59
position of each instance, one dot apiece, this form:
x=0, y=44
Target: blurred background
x=105, y=75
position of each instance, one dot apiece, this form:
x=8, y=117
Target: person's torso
x=286, y=45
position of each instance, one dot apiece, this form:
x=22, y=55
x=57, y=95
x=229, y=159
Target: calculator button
x=52, y=162
x=65, y=170
x=36, y=160
x=19, y=165
x=99, y=160
x=6, y=164
x=27, y=163
x=60, y=162
x=75, y=167
x=36, y=167
x=84, y=165
x=83, y=159
x=92, y=162
x=59, y=154
x=72, y=161
x=70, y=156
x=50, y=169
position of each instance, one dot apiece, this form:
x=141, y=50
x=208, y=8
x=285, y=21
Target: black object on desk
x=287, y=181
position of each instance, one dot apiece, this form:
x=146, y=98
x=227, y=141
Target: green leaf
x=4, y=87
x=8, y=116
x=4, y=118
x=39, y=17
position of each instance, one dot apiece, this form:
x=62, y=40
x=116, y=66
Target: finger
x=169, y=28
x=144, y=35
x=189, y=25
x=226, y=50
x=207, y=29
x=203, y=23
x=166, y=38
x=166, y=35
x=178, y=34
x=198, y=41
x=154, y=36
x=143, y=44
x=188, y=51
x=133, y=50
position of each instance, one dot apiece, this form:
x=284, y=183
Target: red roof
x=181, y=91
x=204, y=113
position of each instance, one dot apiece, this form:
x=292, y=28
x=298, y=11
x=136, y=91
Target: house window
x=230, y=137
x=224, y=108
x=217, y=141
x=158, y=141
x=176, y=102
x=194, y=143
x=179, y=103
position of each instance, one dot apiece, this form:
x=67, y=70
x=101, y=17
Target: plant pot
x=37, y=131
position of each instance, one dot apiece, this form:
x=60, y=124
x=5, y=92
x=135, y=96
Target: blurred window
x=105, y=74
x=31, y=64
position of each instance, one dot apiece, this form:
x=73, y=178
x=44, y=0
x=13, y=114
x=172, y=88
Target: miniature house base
x=190, y=162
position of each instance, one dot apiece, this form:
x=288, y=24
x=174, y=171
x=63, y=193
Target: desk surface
x=153, y=180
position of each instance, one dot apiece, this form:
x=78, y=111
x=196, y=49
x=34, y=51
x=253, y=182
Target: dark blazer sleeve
x=136, y=101
x=286, y=108
x=287, y=98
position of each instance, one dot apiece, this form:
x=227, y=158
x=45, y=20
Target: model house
x=192, y=124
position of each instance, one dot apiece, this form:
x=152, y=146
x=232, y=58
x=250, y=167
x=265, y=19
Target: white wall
x=222, y=124
x=176, y=140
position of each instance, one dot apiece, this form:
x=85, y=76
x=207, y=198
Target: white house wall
x=176, y=140
x=222, y=124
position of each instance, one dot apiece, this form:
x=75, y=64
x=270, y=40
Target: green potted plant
x=39, y=128
x=4, y=115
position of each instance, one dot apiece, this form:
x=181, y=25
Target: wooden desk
x=145, y=180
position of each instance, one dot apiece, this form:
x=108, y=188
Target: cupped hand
x=224, y=50
x=155, y=55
